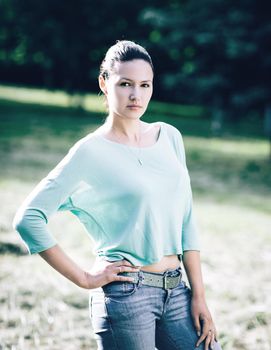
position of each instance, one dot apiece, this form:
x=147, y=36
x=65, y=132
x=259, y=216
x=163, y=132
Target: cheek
x=119, y=94
x=113, y=95
x=117, y=99
x=148, y=95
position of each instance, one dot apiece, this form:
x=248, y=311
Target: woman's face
x=130, y=84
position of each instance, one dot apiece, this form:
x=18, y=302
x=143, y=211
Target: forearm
x=191, y=262
x=61, y=262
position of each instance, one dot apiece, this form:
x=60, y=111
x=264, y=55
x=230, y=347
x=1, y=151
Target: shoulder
x=77, y=153
x=172, y=131
x=83, y=144
x=176, y=138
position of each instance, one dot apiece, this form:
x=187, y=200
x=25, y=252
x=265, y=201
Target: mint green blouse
x=132, y=211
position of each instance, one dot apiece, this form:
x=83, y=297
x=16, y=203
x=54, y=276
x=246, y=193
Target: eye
x=125, y=83
x=146, y=85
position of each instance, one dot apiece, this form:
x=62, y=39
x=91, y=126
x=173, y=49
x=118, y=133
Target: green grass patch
x=230, y=178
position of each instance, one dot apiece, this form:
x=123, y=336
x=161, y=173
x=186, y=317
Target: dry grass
x=42, y=310
x=39, y=309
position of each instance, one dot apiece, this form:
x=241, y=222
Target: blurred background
x=212, y=64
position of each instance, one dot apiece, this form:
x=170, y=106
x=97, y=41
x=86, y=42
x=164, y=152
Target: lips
x=134, y=106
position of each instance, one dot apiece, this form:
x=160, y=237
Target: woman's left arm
x=199, y=310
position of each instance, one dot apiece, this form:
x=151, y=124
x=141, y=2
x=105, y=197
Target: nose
x=133, y=98
x=134, y=95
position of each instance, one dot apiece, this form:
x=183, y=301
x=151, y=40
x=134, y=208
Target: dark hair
x=123, y=51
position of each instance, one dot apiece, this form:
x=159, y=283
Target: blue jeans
x=133, y=316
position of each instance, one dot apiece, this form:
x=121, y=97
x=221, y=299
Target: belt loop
x=140, y=275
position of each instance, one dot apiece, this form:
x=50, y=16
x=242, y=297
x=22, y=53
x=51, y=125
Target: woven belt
x=155, y=280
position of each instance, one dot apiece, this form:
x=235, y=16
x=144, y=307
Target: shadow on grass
x=34, y=138
x=58, y=118
x=12, y=248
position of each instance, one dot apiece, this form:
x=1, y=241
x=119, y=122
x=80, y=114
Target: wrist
x=83, y=280
x=86, y=280
x=198, y=295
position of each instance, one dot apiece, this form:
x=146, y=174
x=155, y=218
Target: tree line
x=214, y=53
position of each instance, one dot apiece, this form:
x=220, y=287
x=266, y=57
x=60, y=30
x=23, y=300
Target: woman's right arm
x=31, y=219
x=108, y=272
x=50, y=195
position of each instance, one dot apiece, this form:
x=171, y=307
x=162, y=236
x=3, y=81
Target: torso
x=150, y=136
x=168, y=262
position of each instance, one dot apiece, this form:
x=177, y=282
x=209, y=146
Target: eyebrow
x=143, y=81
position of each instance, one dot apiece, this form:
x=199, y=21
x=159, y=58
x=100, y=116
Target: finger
x=208, y=340
x=197, y=325
x=120, y=269
x=215, y=334
x=204, y=331
x=132, y=269
x=213, y=340
x=124, y=263
x=202, y=337
x=127, y=263
x=123, y=278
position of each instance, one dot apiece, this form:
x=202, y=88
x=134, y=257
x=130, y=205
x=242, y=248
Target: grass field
x=231, y=183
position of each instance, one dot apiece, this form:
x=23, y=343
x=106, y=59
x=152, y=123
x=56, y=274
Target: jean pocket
x=119, y=289
x=90, y=306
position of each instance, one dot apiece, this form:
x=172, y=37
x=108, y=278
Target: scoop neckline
x=135, y=147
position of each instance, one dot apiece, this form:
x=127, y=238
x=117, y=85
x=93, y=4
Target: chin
x=132, y=115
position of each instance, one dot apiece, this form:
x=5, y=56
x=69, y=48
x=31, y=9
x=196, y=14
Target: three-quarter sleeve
x=190, y=232
x=51, y=194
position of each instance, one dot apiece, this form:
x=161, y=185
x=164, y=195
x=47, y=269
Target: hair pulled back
x=123, y=51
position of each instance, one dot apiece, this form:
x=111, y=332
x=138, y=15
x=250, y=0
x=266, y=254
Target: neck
x=131, y=129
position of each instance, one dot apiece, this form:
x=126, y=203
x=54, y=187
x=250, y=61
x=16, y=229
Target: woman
x=127, y=182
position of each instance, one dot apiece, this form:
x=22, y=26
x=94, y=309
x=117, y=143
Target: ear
x=102, y=84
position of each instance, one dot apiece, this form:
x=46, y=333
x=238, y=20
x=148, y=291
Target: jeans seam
x=172, y=343
x=90, y=306
x=190, y=300
x=110, y=324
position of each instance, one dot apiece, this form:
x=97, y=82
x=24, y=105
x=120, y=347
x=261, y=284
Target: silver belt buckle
x=171, y=282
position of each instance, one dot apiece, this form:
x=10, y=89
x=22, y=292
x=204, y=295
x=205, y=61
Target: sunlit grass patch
x=230, y=178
